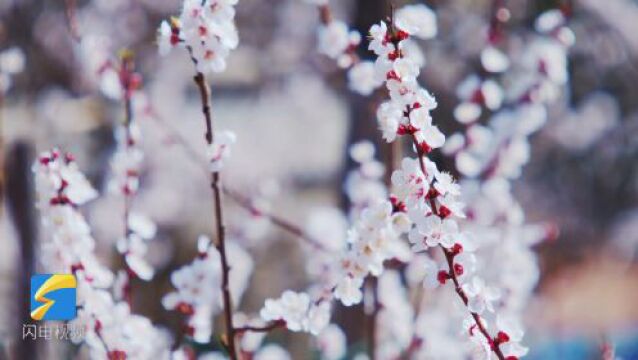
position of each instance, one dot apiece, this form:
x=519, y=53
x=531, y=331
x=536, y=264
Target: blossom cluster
x=111, y=330
x=428, y=196
x=297, y=311
x=198, y=302
x=338, y=42
x=364, y=184
x=490, y=154
x=206, y=28
x=126, y=168
x=197, y=285
x=373, y=239
x=219, y=150
x=501, y=148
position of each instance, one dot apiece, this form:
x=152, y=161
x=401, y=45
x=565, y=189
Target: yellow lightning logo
x=55, y=282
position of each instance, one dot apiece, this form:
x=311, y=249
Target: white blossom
x=207, y=30
x=219, y=151
x=332, y=343
x=362, y=79
x=480, y=295
x=417, y=20
x=297, y=311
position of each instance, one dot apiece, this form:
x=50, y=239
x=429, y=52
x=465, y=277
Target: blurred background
x=295, y=118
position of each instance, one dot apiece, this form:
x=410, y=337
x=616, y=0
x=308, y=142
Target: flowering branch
x=207, y=30
x=204, y=91
x=452, y=270
x=126, y=80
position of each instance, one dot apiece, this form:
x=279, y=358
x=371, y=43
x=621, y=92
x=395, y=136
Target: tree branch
x=449, y=257
x=204, y=92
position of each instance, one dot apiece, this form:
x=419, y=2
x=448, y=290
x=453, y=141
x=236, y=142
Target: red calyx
x=511, y=358
x=185, y=308
x=444, y=212
x=60, y=200
x=174, y=39
x=542, y=67
x=392, y=75
x=394, y=55
x=406, y=129
x=387, y=38
x=552, y=231
x=432, y=193
x=397, y=206
x=76, y=267
x=401, y=35
x=443, y=276
x=458, y=269
x=502, y=337
x=98, y=327
x=116, y=355
x=478, y=97
x=69, y=158
x=457, y=249
x=189, y=330
x=424, y=147
x=135, y=81
x=494, y=35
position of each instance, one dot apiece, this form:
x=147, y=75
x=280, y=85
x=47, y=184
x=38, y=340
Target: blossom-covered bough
x=111, y=331
x=500, y=108
x=426, y=195
x=425, y=204
x=126, y=167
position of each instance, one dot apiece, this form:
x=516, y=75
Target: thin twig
x=240, y=199
x=266, y=328
x=204, y=92
x=282, y=223
x=126, y=74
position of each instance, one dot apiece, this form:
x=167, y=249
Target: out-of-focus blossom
x=219, y=150
x=298, y=313
x=417, y=20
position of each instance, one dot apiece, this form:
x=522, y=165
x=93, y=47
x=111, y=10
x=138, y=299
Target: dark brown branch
x=266, y=328
x=220, y=244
